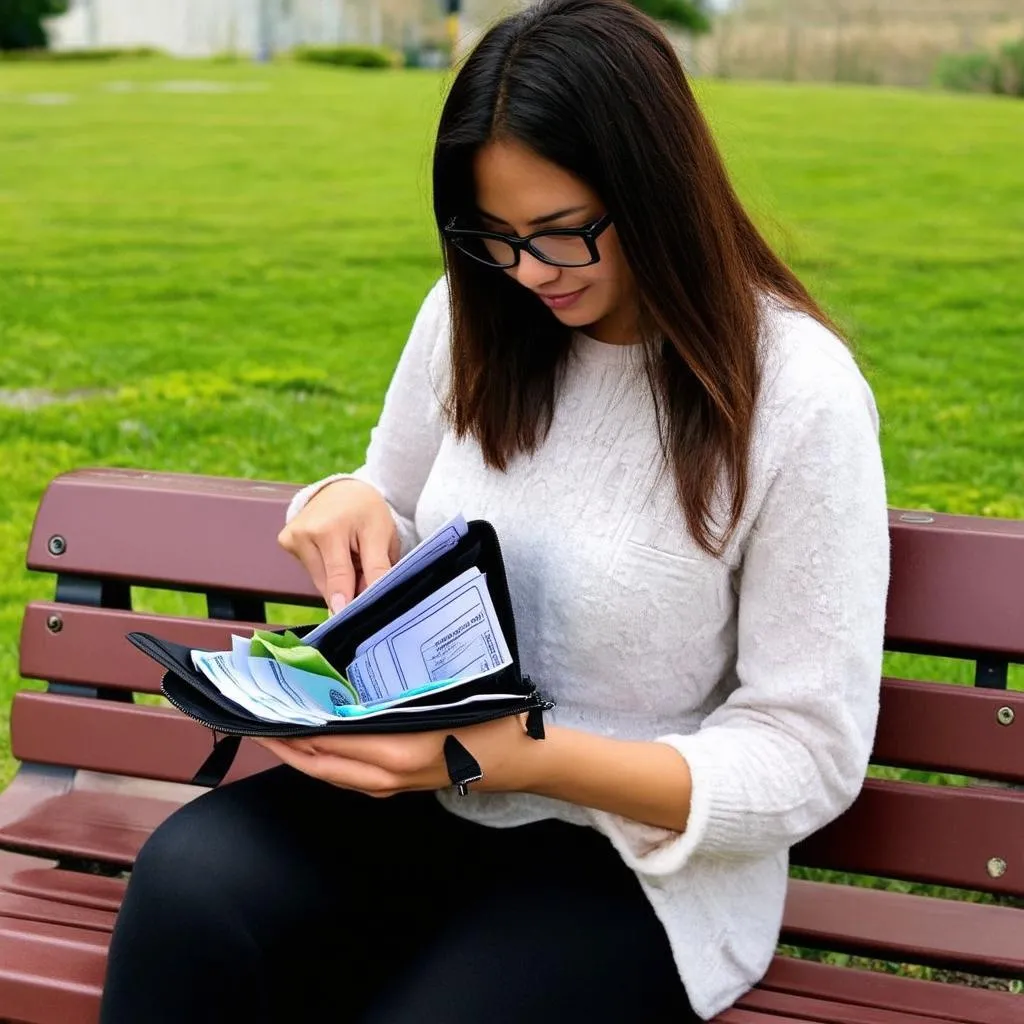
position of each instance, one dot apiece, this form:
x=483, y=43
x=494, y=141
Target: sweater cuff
x=654, y=851
x=307, y=494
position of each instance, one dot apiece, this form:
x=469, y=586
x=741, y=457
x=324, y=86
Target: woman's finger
x=374, y=544
x=312, y=560
x=339, y=573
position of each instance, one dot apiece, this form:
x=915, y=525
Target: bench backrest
x=957, y=590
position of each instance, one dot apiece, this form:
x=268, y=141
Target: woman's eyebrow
x=537, y=221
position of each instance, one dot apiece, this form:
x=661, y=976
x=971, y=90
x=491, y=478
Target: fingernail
x=337, y=603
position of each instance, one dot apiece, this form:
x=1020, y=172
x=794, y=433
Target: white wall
x=192, y=28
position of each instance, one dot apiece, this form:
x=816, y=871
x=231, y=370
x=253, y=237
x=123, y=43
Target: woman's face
x=519, y=193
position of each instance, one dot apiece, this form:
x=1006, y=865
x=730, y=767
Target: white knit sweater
x=761, y=668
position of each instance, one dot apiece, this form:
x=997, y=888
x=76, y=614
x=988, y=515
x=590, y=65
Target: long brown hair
x=595, y=87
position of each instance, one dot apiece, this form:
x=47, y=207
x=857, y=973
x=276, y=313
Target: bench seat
x=71, y=914
x=61, y=961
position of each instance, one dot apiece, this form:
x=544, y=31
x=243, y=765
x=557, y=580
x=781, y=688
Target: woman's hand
x=384, y=764
x=346, y=539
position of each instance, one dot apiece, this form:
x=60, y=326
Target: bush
x=1011, y=68
x=97, y=54
x=1002, y=72
x=21, y=22
x=968, y=72
x=689, y=15
x=349, y=56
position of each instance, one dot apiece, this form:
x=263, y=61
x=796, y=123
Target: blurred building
x=196, y=28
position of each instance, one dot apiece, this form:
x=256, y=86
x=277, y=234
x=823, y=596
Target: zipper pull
x=535, y=723
x=463, y=767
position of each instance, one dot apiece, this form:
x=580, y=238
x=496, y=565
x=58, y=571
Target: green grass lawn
x=227, y=276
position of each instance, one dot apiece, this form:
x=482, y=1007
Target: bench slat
x=956, y=1004
x=32, y=908
x=944, y=835
x=122, y=739
x=738, y=1016
x=193, y=532
x=951, y=729
x=91, y=648
x=921, y=725
x=72, y=887
x=106, y=827
x=957, y=581
x=898, y=926
x=808, y=1008
x=49, y=973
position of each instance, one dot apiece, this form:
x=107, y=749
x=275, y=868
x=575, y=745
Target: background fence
x=850, y=40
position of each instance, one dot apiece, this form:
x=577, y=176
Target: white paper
x=452, y=634
x=219, y=668
x=258, y=677
x=261, y=678
x=426, y=552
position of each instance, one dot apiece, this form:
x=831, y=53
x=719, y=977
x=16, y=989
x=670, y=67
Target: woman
x=681, y=460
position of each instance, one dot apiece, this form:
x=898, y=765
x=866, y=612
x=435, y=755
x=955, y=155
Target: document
x=219, y=668
x=452, y=634
x=265, y=675
x=298, y=676
x=428, y=551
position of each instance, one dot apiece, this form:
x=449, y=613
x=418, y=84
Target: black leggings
x=281, y=898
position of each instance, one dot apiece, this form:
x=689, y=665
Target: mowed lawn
x=214, y=267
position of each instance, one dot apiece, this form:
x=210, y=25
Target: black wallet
x=499, y=694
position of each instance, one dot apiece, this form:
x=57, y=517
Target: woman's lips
x=561, y=301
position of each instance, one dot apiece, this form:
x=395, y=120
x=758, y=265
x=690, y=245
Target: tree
x=688, y=14
x=21, y=22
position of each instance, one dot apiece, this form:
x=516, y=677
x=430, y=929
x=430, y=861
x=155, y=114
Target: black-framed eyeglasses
x=558, y=247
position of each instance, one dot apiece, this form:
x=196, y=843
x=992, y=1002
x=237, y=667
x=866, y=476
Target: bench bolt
x=57, y=545
x=1005, y=716
x=996, y=867
x=54, y=623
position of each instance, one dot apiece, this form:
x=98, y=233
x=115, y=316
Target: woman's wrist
x=642, y=780
x=543, y=766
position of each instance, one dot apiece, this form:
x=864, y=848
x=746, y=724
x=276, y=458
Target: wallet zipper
x=242, y=731
x=535, y=702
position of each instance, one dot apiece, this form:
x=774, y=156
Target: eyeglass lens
x=567, y=250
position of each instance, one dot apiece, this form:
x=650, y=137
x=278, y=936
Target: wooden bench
x=100, y=772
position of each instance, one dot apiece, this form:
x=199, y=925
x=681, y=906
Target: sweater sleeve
x=787, y=751
x=405, y=441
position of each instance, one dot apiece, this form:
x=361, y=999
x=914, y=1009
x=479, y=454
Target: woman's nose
x=534, y=273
